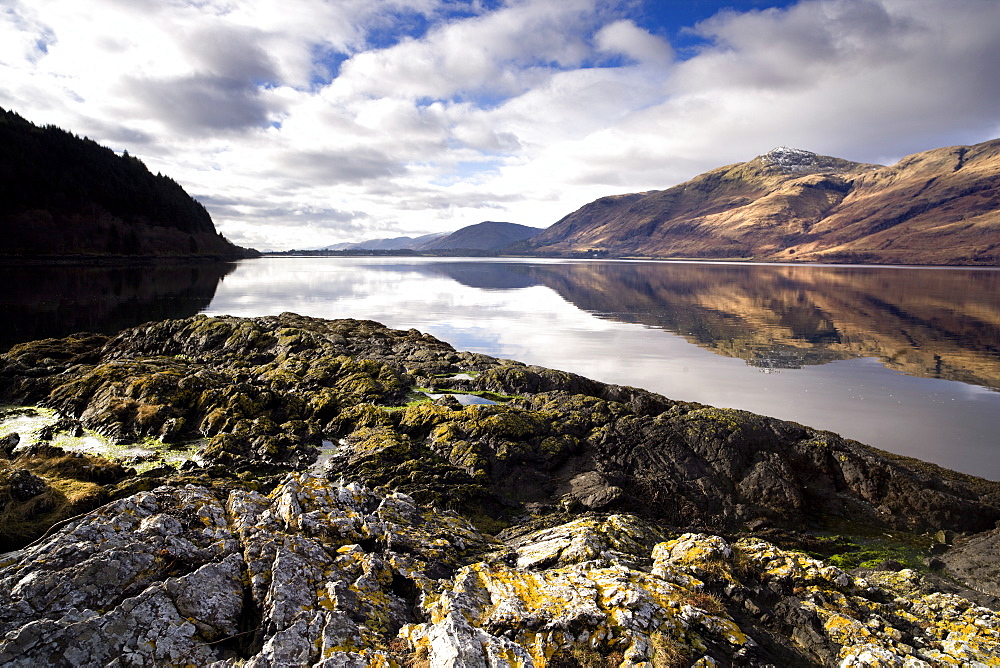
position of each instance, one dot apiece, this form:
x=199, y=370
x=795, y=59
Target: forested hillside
x=61, y=194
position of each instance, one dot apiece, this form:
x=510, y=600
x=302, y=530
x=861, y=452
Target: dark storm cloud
x=221, y=207
x=120, y=134
x=318, y=217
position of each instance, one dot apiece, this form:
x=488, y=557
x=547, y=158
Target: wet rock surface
x=568, y=523
x=267, y=391
x=975, y=560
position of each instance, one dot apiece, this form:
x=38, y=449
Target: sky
x=304, y=123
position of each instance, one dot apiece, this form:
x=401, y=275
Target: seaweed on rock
x=384, y=552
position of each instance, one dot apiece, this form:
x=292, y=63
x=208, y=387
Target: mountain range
x=391, y=243
x=63, y=195
x=485, y=236
x=937, y=207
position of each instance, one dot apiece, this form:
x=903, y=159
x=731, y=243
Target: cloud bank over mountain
x=305, y=123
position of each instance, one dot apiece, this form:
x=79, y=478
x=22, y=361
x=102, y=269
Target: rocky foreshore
x=298, y=498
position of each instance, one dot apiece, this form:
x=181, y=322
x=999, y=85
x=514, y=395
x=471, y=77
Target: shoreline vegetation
x=117, y=260
x=162, y=502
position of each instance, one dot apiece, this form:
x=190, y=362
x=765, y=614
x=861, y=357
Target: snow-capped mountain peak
x=790, y=159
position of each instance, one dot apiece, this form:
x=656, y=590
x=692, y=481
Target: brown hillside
x=936, y=207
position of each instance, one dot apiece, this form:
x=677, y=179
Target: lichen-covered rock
x=324, y=574
x=582, y=529
x=600, y=540
x=148, y=580
x=312, y=572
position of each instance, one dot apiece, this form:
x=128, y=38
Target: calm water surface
x=904, y=359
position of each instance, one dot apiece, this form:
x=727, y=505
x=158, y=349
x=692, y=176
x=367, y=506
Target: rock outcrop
x=329, y=512
x=265, y=392
x=324, y=574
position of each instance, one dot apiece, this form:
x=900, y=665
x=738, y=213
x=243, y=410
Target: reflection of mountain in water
x=482, y=275
x=41, y=301
x=935, y=323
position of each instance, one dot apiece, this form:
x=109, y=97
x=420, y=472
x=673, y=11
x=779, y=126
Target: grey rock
x=340, y=576
x=594, y=491
x=25, y=485
x=976, y=561
x=8, y=443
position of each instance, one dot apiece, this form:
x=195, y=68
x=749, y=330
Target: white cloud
x=626, y=38
x=306, y=122
x=500, y=54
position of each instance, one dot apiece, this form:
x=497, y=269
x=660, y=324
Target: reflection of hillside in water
x=41, y=301
x=935, y=323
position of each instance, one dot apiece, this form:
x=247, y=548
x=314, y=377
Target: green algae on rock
x=39, y=424
x=266, y=392
x=339, y=522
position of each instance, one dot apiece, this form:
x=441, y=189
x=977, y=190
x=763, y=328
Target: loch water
x=905, y=359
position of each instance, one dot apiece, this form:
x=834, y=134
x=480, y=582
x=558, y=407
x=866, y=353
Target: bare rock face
x=323, y=574
x=8, y=443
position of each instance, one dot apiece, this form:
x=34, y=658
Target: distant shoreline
x=116, y=260
x=589, y=256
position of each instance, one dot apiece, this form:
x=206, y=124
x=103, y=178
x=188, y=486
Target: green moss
x=850, y=546
x=486, y=523
x=363, y=415
x=323, y=404
x=24, y=420
x=144, y=454
x=558, y=447
x=382, y=441
x=469, y=456
x=418, y=401
x=724, y=418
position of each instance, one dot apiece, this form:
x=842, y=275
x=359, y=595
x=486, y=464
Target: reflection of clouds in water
x=473, y=319
x=942, y=421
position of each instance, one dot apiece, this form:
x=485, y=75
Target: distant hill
x=395, y=243
x=488, y=235
x=63, y=195
x=485, y=236
x=937, y=207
